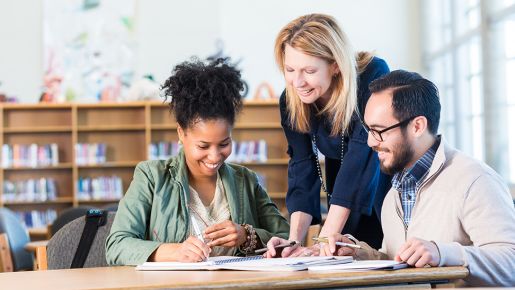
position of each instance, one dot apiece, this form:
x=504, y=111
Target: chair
x=61, y=248
x=17, y=237
x=313, y=232
x=67, y=216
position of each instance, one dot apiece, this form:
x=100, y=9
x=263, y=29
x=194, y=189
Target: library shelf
x=127, y=130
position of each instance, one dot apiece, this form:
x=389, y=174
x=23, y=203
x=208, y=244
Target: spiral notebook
x=254, y=263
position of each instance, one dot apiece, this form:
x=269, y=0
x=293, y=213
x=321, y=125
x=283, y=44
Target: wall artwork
x=89, y=49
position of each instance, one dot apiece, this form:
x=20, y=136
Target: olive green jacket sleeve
x=128, y=242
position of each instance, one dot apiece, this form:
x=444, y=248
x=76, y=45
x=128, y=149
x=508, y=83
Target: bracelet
x=251, y=242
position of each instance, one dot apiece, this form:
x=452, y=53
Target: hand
x=292, y=251
x=331, y=249
x=225, y=234
x=191, y=250
x=417, y=252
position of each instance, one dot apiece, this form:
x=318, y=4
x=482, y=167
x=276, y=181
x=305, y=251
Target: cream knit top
x=216, y=212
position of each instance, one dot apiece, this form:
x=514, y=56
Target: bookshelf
x=126, y=130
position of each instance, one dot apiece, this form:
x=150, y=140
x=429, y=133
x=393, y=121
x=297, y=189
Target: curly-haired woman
x=156, y=218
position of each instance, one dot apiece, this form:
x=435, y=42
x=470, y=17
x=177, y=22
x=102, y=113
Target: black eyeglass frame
x=378, y=134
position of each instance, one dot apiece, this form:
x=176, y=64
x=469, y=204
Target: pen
x=280, y=246
x=196, y=229
x=324, y=240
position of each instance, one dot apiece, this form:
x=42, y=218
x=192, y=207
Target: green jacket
x=154, y=209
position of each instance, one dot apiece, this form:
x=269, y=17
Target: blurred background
x=104, y=50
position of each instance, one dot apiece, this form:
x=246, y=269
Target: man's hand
x=417, y=252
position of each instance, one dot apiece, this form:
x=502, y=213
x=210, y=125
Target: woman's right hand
x=293, y=251
x=191, y=250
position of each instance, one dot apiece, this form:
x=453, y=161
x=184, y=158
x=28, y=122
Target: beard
x=401, y=155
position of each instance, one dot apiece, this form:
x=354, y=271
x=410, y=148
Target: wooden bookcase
x=128, y=129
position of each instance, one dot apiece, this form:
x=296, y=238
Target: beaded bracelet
x=251, y=242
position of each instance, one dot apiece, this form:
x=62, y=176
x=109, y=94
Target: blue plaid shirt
x=408, y=181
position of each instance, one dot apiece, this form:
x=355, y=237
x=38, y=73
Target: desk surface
x=128, y=277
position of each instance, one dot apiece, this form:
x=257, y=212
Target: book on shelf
x=248, y=151
x=253, y=263
x=100, y=188
x=163, y=150
x=30, y=190
x=29, y=155
x=90, y=153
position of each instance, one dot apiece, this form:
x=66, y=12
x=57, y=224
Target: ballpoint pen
x=342, y=244
x=196, y=229
x=280, y=246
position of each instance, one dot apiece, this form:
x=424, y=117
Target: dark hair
x=413, y=95
x=206, y=91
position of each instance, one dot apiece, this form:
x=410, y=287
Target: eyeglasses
x=378, y=134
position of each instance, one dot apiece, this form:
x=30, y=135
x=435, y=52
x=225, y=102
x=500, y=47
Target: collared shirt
x=408, y=181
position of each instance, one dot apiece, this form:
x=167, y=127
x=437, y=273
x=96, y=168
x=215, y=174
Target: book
x=254, y=263
x=364, y=265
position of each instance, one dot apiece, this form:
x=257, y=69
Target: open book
x=363, y=265
x=255, y=263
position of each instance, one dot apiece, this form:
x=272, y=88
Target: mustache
x=379, y=149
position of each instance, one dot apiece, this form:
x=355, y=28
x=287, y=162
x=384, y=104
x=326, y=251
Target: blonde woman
x=321, y=108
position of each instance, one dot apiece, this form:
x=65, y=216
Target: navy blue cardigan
x=358, y=180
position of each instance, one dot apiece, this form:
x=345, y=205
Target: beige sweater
x=466, y=209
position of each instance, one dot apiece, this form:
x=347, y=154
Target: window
x=470, y=55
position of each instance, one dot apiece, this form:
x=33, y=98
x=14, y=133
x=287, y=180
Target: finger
x=345, y=251
x=294, y=251
x=407, y=253
x=217, y=227
x=198, y=246
x=424, y=260
x=228, y=241
x=192, y=255
x=220, y=233
x=403, y=248
x=332, y=244
x=271, y=251
x=414, y=257
x=325, y=250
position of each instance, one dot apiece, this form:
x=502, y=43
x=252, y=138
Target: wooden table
x=128, y=278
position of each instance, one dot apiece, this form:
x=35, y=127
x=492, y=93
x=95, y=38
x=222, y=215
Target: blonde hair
x=320, y=36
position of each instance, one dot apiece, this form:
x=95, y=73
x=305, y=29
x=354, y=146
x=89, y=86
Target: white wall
x=169, y=32
x=388, y=27
x=21, y=48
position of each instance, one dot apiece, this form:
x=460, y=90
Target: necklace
x=314, y=139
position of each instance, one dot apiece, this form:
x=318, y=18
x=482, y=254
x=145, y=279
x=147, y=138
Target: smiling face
x=308, y=75
x=395, y=152
x=206, y=146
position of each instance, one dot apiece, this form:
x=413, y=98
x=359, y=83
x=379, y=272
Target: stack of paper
x=256, y=263
x=364, y=265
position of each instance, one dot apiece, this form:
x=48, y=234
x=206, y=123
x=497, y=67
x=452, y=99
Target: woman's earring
x=180, y=142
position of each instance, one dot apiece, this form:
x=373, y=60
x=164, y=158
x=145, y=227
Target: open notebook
x=364, y=265
x=255, y=263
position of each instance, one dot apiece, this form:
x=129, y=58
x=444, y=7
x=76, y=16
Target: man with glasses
x=444, y=208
